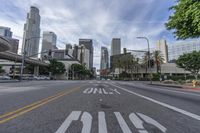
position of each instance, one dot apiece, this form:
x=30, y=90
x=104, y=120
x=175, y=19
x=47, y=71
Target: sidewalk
x=175, y=86
x=8, y=81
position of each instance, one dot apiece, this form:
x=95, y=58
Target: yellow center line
x=28, y=106
x=11, y=115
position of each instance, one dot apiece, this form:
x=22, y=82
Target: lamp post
x=23, y=56
x=148, y=54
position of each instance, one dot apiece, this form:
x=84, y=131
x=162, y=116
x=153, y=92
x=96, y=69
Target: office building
x=69, y=50
x=104, y=58
x=32, y=32
x=84, y=56
x=7, y=33
x=48, y=42
x=14, y=45
x=75, y=52
x=116, y=46
x=162, y=46
x=88, y=43
x=50, y=36
x=179, y=48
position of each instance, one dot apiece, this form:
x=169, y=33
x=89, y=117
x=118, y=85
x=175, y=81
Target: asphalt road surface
x=97, y=107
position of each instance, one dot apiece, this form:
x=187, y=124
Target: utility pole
x=23, y=56
x=148, y=56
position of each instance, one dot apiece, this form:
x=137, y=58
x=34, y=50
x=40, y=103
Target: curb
x=9, y=81
x=174, y=86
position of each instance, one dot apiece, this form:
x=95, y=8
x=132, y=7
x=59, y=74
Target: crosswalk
x=137, y=119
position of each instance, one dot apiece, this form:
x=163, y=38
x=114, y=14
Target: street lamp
x=23, y=56
x=148, y=53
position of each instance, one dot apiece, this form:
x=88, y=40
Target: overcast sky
x=100, y=20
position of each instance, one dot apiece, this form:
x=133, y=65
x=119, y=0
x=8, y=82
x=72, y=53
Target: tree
x=1, y=69
x=186, y=19
x=190, y=62
x=158, y=59
x=43, y=70
x=80, y=71
x=145, y=62
x=29, y=69
x=56, y=67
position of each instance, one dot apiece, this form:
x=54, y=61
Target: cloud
x=98, y=20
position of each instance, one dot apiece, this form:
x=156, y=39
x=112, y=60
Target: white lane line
x=137, y=122
x=102, y=122
x=153, y=122
x=192, y=115
x=74, y=116
x=87, y=122
x=122, y=123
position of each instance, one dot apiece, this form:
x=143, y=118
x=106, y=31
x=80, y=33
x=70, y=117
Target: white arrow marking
x=87, y=122
x=102, y=123
x=74, y=116
x=137, y=123
x=122, y=123
x=153, y=122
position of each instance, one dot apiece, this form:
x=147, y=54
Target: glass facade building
x=180, y=48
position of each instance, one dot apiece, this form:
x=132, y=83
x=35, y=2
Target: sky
x=100, y=20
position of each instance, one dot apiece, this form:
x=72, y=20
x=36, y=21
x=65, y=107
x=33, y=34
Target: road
x=97, y=107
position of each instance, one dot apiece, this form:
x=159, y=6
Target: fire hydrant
x=194, y=83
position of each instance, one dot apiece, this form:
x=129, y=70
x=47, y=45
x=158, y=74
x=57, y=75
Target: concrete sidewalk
x=175, y=86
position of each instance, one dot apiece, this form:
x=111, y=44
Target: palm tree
x=145, y=62
x=159, y=59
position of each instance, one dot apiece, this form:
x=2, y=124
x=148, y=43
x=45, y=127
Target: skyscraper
x=116, y=46
x=50, y=36
x=32, y=32
x=48, y=40
x=7, y=33
x=88, y=45
x=104, y=58
x=162, y=46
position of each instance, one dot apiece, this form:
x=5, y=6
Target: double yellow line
x=11, y=115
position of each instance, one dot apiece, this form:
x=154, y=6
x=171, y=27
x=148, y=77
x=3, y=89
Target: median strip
x=13, y=114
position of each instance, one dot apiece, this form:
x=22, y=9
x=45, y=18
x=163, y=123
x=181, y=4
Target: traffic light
x=151, y=63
